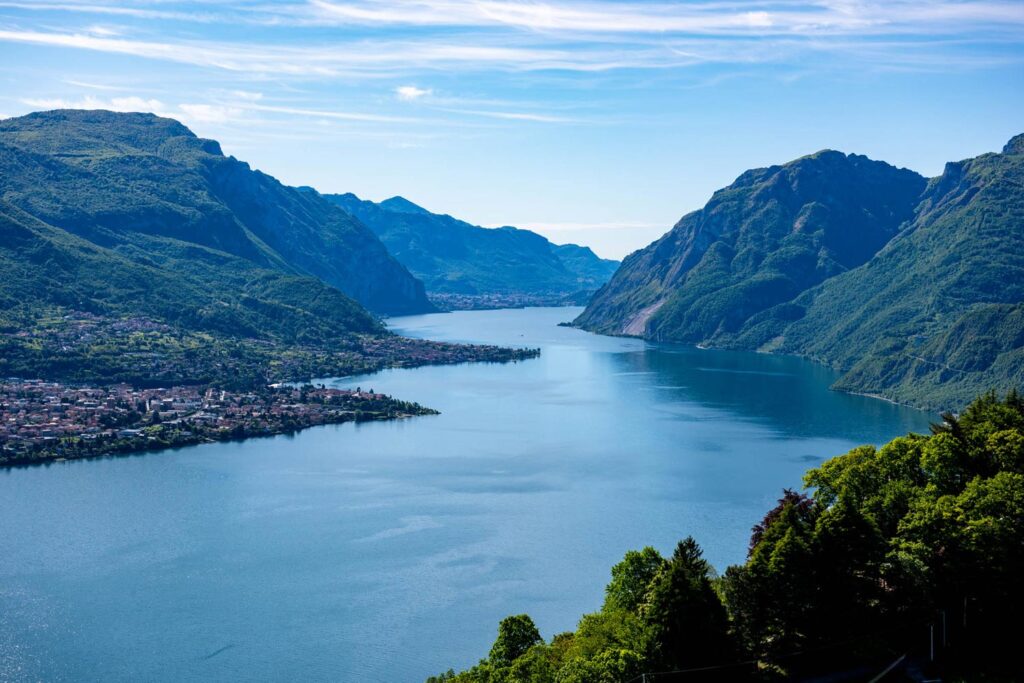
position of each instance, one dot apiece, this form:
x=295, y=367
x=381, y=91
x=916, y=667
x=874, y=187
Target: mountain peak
x=400, y=204
x=1015, y=145
x=89, y=130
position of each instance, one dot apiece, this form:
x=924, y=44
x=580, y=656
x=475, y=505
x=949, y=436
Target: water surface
x=389, y=551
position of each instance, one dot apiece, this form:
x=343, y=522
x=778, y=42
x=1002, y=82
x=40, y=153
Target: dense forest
x=911, y=553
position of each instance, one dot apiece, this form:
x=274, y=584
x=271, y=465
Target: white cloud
x=328, y=114
x=247, y=95
x=411, y=92
x=724, y=17
x=363, y=58
x=209, y=113
x=104, y=31
x=120, y=104
x=187, y=113
x=134, y=12
x=563, y=35
x=94, y=86
x=513, y=115
x=704, y=17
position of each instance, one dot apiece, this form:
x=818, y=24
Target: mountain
x=188, y=285
x=455, y=258
x=939, y=312
x=912, y=289
x=772, y=234
x=146, y=190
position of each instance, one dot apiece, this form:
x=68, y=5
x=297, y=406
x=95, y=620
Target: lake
x=389, y=551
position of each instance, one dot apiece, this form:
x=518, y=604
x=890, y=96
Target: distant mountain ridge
x=149, y=200
x=912, y=288
x=456, y=258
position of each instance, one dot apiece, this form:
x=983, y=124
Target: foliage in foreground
x=887, y=540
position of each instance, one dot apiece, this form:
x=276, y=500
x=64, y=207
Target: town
x=45, y=421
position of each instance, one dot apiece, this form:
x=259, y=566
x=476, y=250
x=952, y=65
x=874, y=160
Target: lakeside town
x=47, y=421
x=124, y=385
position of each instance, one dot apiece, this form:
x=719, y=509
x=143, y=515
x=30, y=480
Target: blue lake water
x=390, y=551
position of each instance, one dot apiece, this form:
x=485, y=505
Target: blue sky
x=594, y=122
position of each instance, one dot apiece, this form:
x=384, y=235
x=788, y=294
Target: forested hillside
x=133, y=251
x=147, y=190
x=910, y=288
x=939, y=312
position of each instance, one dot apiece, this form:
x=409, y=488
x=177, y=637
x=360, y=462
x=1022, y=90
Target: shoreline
x=91, y=422
x=809, y=359
x=153, y=450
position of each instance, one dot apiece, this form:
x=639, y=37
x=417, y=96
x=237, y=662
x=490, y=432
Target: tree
x=791, y=500
x=516, y=635
x=609, y=666
x=611, y=628
x=769, y=598
x=848, y=551
x=536, y=665
x=687, y=622
x=631, y=579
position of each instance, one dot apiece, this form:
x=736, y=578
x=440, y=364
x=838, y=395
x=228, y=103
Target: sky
x=599, y=123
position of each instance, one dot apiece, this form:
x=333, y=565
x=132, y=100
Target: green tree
x=769, y=598
x=608, y=666
x=611, y=628
x=536, y=665
x=848, y=551
x=631, y=579
x=687, y=621
x=516, y=635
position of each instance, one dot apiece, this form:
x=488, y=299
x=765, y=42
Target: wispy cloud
x=140, y=10
x=722, y=18
x=187, y=113
x=360, y=58
x=557, y=36
x=104, y=31
x=709, y=17
x=210, y=113
x=121, y=104
x=94, y=86
x=330, y=114
x=247, y=95
x=513, y=115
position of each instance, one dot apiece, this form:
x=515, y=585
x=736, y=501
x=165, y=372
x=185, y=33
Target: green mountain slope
x=938, y=314
x=195, y=287
x=454, y=257
x=150, y=190
x=913, y=290
x=772, y=234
